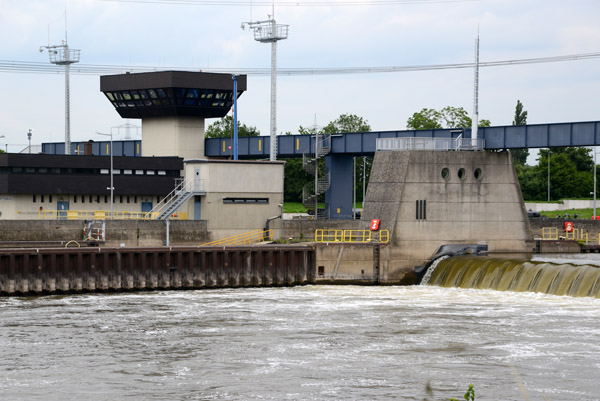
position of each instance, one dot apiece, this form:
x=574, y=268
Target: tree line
x=569, y=170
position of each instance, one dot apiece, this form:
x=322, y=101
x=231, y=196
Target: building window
x=42, y=198
x=105, y=198
x=34, y=199
x=120, y=198
x=128, y=198
x=82, y=198
x=97, y=198
x=139, y=172
x=461, y=173
x=104, y=171
x=162, y=172
x=74, y=198
x=478, y=174
x=421, y=206
x=91, y=199
x=128, y=172
x=445, y=173
x=49, y=198
x=149, y=172
x=246, y=200
x=135, y=199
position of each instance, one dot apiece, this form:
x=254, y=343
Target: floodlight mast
x=269, y=31
x=62, y=55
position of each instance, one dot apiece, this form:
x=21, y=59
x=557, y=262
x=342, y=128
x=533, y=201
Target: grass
x=581, y=213
x=297, y=207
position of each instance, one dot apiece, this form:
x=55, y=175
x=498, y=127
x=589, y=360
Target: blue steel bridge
x=343, y=147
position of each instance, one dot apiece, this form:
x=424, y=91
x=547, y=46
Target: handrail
x=244, y=239
x=184, y=186
x=352, y=236
x=102, y=215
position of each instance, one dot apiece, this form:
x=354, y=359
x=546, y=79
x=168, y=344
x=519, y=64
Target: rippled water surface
x=302, y=343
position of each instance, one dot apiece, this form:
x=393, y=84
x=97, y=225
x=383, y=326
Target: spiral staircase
x=321, y=183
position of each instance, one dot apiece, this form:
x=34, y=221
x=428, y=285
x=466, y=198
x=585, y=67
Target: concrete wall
x=128, y=232
x=485, y=210
x=565, y=204
x=168, y=136
x=305, y=229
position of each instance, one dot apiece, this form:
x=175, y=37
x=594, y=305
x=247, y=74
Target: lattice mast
x=268, y=31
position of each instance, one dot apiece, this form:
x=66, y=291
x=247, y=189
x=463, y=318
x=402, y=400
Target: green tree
x=448, y=117
x=223, y=128
x=425, y=119
x=571, y=175
x=520, y=155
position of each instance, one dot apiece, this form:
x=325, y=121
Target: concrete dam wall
x=431, y=198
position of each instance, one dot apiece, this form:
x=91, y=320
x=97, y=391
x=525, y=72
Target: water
x=302, y=343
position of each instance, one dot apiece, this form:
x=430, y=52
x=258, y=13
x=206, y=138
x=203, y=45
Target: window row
x=171, y=97
x=93, y=198
x=246, y=200
x=462, y=174
x=90, y=171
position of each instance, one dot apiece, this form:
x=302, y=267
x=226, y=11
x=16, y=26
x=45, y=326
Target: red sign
x=568, y=226
x=374, y=224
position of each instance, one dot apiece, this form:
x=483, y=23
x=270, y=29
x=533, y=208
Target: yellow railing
x=103, y=215
x=250, y=238
x=577, y=234
x=550, y=233
x=353, y=236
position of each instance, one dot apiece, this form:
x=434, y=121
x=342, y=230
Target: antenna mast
x=269, y=31
x=63, y=55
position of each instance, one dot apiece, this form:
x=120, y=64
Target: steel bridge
x=344, y=147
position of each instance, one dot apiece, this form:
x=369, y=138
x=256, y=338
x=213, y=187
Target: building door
x=146, y=207
x=62, y=209
x=198, y=182
x=197, y=210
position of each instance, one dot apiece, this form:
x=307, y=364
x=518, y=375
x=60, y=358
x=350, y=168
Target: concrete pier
x=68, y=270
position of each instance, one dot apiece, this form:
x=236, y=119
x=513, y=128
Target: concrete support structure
x=431, y=198
x=176, y=135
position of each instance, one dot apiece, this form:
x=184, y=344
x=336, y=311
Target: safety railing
x=577, y=234
x=352, y=236
x=417, y=143
x=252, y=237
x=550, y=233
x=102, y=215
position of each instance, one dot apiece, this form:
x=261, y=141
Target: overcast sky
x=209, y=36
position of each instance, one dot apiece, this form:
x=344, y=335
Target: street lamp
x=112, y=186
x=548, y=174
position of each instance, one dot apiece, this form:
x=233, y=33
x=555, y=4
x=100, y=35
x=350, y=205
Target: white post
x=273, y=153
x=475, y=120
x=594, y=215
x=67, y=104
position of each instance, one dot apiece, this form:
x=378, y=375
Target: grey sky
x=199, y=36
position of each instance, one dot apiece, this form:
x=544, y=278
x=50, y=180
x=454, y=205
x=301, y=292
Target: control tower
x=172, y=106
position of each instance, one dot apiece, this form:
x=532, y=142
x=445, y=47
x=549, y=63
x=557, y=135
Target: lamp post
x=29, y=138
x=112, y=186
x=548, y=174
x=594, y=215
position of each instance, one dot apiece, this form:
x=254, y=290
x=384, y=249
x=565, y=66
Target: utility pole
x=269, y=31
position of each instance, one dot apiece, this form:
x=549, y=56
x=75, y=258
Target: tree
x=347, y=123
x=448, y=117
x=223, y=128
x=520, y=155
x=425, y=119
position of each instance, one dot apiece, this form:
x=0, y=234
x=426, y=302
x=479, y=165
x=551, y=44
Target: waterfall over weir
x=516, y=275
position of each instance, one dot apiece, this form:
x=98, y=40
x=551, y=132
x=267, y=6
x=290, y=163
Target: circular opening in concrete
x=478, y=174
x=461, y=173
x=445, y=173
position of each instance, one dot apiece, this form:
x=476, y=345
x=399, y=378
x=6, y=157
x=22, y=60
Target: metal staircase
x=182, y=193
x=321, y=183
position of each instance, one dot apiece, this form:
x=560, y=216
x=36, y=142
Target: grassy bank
x=581, y=213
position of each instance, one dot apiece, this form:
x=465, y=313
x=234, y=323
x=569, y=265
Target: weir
x=503, y=274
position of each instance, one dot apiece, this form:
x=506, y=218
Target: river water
x=302, y=343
